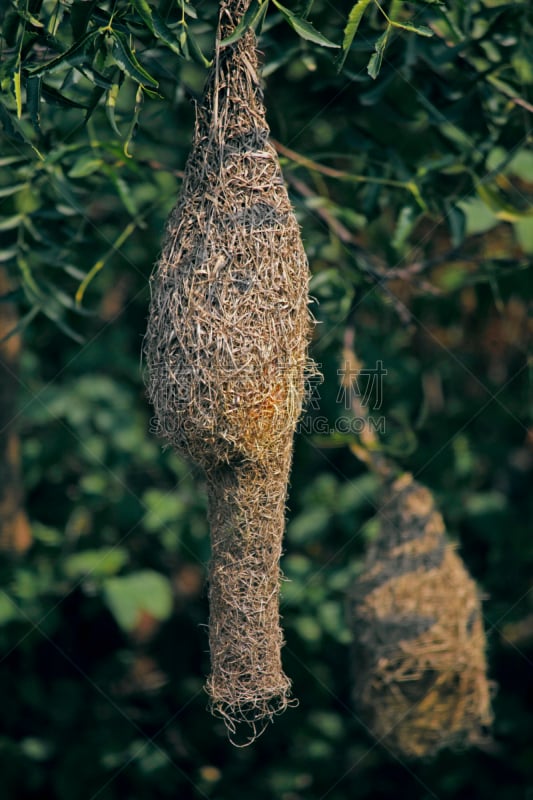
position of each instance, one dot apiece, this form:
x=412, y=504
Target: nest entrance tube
x=247, y=681
x=226, y=351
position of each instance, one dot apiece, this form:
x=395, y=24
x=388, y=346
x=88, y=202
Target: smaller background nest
x=419, y=666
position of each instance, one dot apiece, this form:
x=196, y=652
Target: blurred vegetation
x=408, y=157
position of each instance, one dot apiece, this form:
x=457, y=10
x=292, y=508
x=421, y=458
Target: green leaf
x=63, y=298
x=374, y=65
x=8, y=254
x=52, y=95
x=28, y=200
x=128, y=63
x=155, y=24
x=9, y=223
x=328, y=723
x=85, y=165
x=64, y=187
x=100, y=264
x=456, y=220
x=251, y=19
x=303, y=27
x=102, y=562
x=15, y=129
x=163, y=510
x=22, y=12
x=307, y=627
x=124, y=193
x=309, y=526
x=110, y=106
x=33, y=97
x=94, y=99
x=354, y=18
x=54, y=312
x=421, y=30
x=80, y=14
x=331, y=619
x=404, y=226
x=134, y=121
x=485, y=503
x=30, y=287
x=7, y=191
x=47, y=535
x=499, y=206
x=128, y=596
x=8, y=608
x=22, y=324
x=196, y=50
x=94, y=76
x=18, y=91
x=36, y=749
x=524, y=234
x=73, y=53
x=7, y=161
x=10, y=28
x=522, y=165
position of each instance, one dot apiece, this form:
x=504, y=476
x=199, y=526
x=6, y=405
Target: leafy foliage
x=414, y=191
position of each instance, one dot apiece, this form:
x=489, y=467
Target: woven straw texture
x=226, y=351
x=419, y=666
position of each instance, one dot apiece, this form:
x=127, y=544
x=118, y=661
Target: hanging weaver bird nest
x=226, y=350
x=420, y=674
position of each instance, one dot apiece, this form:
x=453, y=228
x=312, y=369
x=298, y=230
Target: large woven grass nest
x=226, y=350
